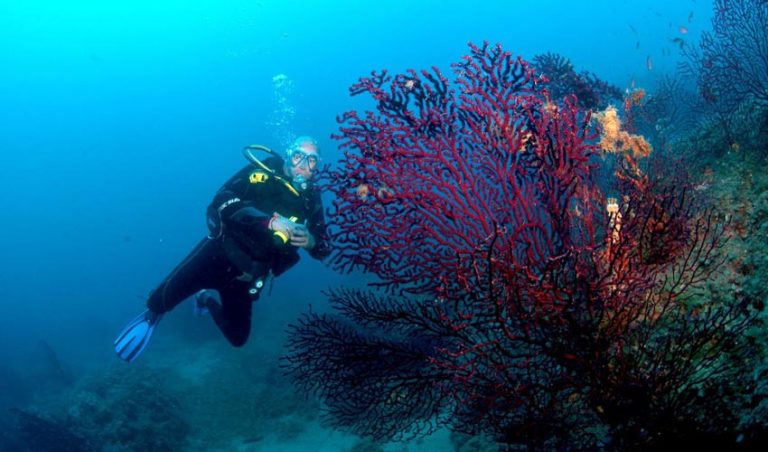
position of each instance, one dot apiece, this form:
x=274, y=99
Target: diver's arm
x=229, y=208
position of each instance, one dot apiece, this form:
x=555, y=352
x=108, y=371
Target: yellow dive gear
x=258, y=177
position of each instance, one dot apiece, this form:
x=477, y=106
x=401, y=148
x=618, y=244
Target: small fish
x=632, y=28
x=649, y=63
x=683, y=29
x=637, y=46
x=679, y=41
x=690, y=17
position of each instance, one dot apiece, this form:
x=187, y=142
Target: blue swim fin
x=135, y=337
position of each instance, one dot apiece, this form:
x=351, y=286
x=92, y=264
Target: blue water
x=120, y=119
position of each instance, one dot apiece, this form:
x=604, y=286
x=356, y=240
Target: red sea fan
x=512, y=304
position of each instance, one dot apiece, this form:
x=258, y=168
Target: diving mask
x=298, y=157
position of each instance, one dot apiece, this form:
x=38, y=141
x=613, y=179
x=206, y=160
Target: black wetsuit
x=241, y=251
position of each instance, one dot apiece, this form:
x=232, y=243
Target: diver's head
x=303, y=158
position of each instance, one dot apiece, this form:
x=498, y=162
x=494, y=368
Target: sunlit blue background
x=120, y=119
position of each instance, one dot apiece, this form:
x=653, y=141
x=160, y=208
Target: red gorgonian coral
x=512, y=303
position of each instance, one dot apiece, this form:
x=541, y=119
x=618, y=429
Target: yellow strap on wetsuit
x=252, y=158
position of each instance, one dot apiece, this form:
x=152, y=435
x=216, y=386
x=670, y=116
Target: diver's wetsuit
x=241, y=250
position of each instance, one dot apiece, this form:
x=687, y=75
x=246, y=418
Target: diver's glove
x=288, y=231
x=283, y=228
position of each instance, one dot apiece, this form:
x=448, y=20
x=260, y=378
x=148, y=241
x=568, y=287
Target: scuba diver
x=257, y=221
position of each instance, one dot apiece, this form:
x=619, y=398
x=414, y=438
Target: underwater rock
x=35, y=433
x=121, y=408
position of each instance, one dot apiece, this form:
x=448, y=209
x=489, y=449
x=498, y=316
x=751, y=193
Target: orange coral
x=614, y=139
x=611, y=125
x=633, y=98
x=363, y=190
x=383, y=193
x=639, y=146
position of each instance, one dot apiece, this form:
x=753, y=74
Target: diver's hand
x=302, y=238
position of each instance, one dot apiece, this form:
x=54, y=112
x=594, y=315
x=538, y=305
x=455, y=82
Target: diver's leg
x=233, y=315
x=205, y=265
x=203, y=268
